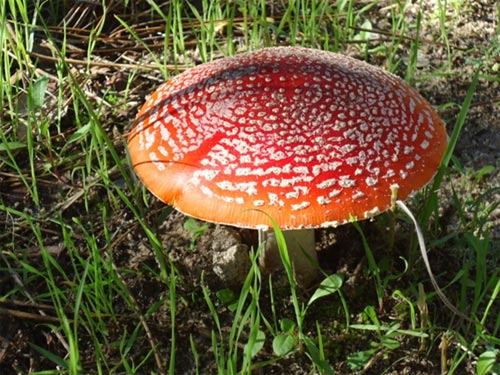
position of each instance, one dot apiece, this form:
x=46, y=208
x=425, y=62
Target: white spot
x=287, y=168
x=424, y=144
x=207, y=174
x=258, y=203
x=389, y=173
x=153, y=117
x=412, y=105
x=150, y=138
x=352, y=161
x=333, y=193
x=271, y=182
x=273, y=170
x=358, y=195
x=226, y=185
x=244, y=159
x=330, y=224
x=244, y=187
x=334, y=165
x=346, y=182
x=158, y=164
x=327, y=183
x=243, y=171
x=371, y=213
x=278, y=155
x=273, y=198
x=371, y=181
x=304, y=190
x=410, y=165
x=300, y=206
x=317, y=169
x=323, y=200
x=301, y=170
x=287, y=182
x=163, y=150
x=205, y=190
x=164, y=133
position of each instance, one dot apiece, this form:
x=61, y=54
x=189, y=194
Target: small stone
x=232, y=265
x=231, y=262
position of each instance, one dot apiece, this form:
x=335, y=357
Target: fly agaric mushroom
x=311, y=138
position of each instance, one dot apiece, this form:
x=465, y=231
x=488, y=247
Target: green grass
x=75, y=300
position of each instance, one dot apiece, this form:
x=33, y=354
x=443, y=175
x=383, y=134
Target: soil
x=340, y=250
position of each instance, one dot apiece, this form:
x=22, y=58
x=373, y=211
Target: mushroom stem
x=301, y=249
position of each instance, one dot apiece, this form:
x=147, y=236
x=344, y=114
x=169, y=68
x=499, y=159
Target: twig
x=17, y=280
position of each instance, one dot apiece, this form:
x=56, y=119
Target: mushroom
x=311, y=138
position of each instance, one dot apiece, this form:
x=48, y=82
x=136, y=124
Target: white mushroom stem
x=301, y=248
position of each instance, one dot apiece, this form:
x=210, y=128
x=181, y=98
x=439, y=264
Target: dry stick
x=17, y=280
x=423, y=250
x=27, y=315
x=99, y=63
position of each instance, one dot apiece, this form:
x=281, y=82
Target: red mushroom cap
x=307, y=136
